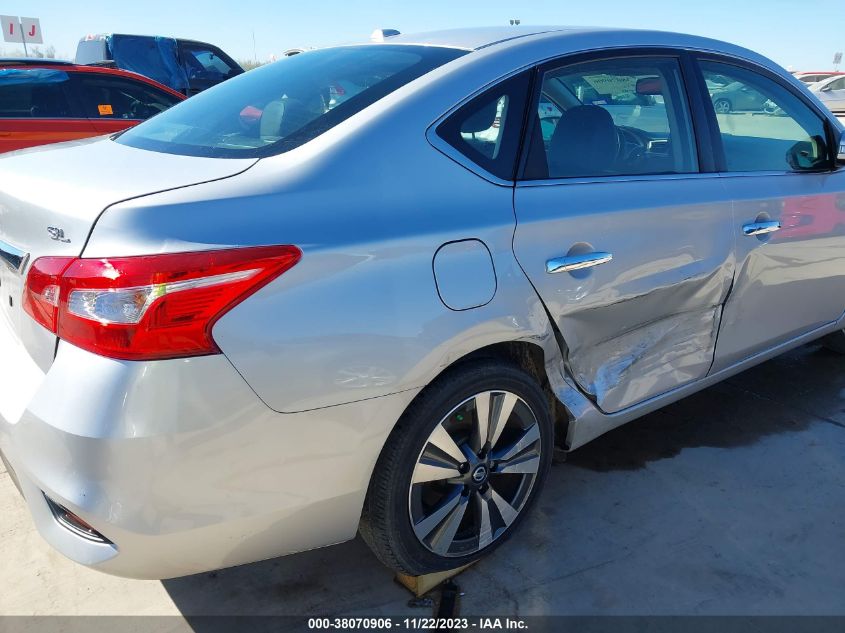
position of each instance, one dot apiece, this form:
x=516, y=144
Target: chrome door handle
x=761, y=228
x=577, y=262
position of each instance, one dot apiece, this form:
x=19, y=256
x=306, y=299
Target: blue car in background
x=188, y=66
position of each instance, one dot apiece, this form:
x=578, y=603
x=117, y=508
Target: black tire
x=386, y=522
x=725, y=107
x=835, y=341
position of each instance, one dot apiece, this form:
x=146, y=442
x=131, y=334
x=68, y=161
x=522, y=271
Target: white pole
x=23, y=37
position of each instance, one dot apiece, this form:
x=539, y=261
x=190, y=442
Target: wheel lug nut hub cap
x=479, y=475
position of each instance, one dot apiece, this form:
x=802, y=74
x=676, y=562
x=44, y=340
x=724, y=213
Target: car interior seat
x=584, y=143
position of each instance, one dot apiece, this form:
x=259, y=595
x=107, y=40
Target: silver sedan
x=271, y=317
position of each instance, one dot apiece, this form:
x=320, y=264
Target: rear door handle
x=577, y=262
x=761, y=228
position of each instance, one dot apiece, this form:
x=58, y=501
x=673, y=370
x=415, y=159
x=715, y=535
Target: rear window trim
x=444, y=147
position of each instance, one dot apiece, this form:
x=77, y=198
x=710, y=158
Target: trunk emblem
x=57, y=234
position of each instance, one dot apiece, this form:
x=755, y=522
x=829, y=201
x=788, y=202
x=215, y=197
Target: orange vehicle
x=47, y=101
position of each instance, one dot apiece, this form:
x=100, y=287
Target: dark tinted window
x=27, y=93
x=764, y=126
x=612, y=117
x=204, y=62
x=280, y=106
x=108, y=97
x=487, y=129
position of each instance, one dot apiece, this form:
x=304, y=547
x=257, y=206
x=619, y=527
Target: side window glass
x=763, y=125
x=33, y=93
x=203, y=63
x=487, y=129
x=612, y=118
x=106, y=97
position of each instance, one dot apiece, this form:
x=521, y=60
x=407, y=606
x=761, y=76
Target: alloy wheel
x=474, y=474
x=722, y=106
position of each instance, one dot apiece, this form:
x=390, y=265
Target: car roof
x=33, y=61
x=476, y=37
x=508, y=39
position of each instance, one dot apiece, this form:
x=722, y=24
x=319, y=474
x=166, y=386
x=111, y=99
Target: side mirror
x=840, y=153
x=809, y=155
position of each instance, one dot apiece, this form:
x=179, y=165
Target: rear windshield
x=280, y=106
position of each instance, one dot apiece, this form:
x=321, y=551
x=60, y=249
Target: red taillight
x=148, y=307
x=41, y=297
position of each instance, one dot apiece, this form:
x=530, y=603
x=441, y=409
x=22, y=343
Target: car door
x=37, y=107
x=777, y=167
x=115, y=102
x=621, y=228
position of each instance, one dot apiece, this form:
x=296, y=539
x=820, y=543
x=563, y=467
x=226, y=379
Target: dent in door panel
x=653, y=358
x=621, y=363
x=659, y=298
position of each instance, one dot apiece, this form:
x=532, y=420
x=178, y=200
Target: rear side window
x=487, y=129
x=612, y=117
x=280, y=106
x=33, y=93
x=108, y=97
x=763, y=125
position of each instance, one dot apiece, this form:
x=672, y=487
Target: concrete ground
x=730, y=502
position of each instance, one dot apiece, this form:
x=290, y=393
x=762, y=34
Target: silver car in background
x=265, y=319
x=831, y=92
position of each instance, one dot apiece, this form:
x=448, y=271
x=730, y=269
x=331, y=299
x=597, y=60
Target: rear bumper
x=184, y=468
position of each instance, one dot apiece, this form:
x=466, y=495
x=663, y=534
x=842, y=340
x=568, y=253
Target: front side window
x=202, y=62
x=34, y=93
x=487, y=129
x=106, y=97
x=280, y=106
x=838, y=84
x=610, y=118
x=763, y=125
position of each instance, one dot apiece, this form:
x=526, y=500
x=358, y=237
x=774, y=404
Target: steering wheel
x=138, y=110
x=632, y=146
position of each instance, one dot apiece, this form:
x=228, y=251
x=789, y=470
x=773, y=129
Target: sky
x=798, y=34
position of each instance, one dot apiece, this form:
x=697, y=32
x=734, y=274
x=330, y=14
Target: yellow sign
x=105, y=109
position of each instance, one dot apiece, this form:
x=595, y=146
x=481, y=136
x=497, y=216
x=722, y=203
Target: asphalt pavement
x=729, y=502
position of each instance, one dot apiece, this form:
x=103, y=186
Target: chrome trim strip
x=14, y=258
x=585, y=180
x=577, y=262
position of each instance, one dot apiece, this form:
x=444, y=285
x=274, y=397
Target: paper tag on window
x=105, y=109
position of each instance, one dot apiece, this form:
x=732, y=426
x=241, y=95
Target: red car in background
x=47, y=101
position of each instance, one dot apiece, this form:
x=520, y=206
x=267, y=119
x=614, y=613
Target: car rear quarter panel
x=369, y=205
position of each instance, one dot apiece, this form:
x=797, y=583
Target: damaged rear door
x=626, y=237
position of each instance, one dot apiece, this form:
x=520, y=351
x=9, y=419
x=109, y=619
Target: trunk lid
x=51, y=197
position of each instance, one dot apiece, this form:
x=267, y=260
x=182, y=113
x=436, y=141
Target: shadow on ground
x=785, y=395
